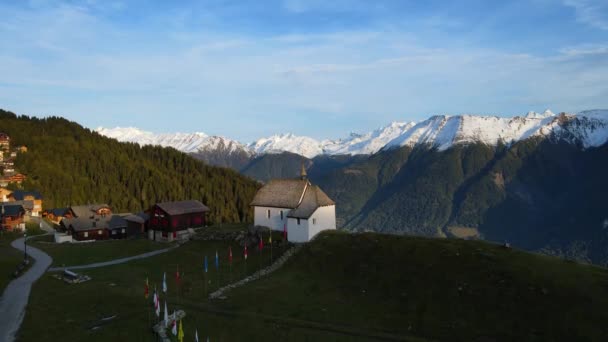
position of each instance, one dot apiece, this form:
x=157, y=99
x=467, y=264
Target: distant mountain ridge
x=589, y=128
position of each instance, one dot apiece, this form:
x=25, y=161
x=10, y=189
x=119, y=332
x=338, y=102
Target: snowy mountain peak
x=289, y=142
x=185, y=142
x=534, y=115
x=589, y=128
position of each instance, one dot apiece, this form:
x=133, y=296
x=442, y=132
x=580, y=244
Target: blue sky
x=247, y=69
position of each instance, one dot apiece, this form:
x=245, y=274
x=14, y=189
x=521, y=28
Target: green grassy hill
x=340, y=287
x=70, y=164
x=437, y=289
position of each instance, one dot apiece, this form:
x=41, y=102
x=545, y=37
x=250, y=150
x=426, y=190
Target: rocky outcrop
x=161, y=328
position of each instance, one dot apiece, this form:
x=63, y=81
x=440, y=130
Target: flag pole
x=148, y=310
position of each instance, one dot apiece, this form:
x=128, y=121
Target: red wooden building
x=170, y=220
x=11, y=216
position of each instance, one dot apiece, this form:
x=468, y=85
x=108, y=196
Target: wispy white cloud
x=591, y=12
x=584, y=50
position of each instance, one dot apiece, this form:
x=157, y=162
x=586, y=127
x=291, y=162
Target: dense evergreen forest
x=538, y=194
x=70, y=164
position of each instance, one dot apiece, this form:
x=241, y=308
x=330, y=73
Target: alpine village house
x=294, y=205
x=170, y=220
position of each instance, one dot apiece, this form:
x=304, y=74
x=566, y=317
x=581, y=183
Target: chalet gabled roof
x=60, y=211
x=19, y=195
x=27, y=205
x=183, y=207
x=11, y=209
x=83, y=223
x=312, y=200
x=116, y=222
x=87, y=210
x=96, y=207
x=280, y=193
x=97, y=222
x=133, y=218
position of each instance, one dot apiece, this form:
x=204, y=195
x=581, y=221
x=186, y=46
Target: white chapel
x=294, y=205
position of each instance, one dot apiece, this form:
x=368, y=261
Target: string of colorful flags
x=177, y=328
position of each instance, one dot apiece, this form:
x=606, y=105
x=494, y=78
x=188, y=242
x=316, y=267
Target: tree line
x=72, y=165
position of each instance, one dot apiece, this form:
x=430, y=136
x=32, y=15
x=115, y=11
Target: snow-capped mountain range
x=589, y=128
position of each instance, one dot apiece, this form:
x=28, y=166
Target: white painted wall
x=295, y=232
x=325, y=219
x=260, y=217
x=61, y=238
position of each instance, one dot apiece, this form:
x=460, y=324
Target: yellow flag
x=270, y=238
x=180, y=333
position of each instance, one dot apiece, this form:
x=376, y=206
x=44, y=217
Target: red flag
x=261, y=245
x=146, y=290
x=245, y=253
x=177, y=275
x=230, y=254
x=285, y=232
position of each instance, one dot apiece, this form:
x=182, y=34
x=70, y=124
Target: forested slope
x=70, y=164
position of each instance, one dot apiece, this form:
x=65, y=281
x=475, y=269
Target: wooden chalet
x=97, y=222
x=57, y=214
x=136, y=224
x=96, y=228
x=12, y=178
x=170, y=220
x=4, y=193
x=28, y=196
x=90, y=210
x=5, y=142
x=12, y=216
x=83, y=228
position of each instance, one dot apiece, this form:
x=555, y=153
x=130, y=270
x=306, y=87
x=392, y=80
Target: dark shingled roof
x=133, y=218
x=60, y=211
x=182, y=207
x=286, y=193
x=86, y=223
x=313, y=199
x=27, y=205
x=19, y=195
x=280, y=193
x=12, y=209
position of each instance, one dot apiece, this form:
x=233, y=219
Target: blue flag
x=205, y=264
x=217, y=261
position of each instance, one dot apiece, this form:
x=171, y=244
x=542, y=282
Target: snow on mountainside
x=305, y=146
x=369, y=143
x=443, y=131
x=588, y=128
x=185, y=142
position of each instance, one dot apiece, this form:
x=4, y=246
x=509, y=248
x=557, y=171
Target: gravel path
x=113, y=262
x=15, y=296
x=219, y=293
